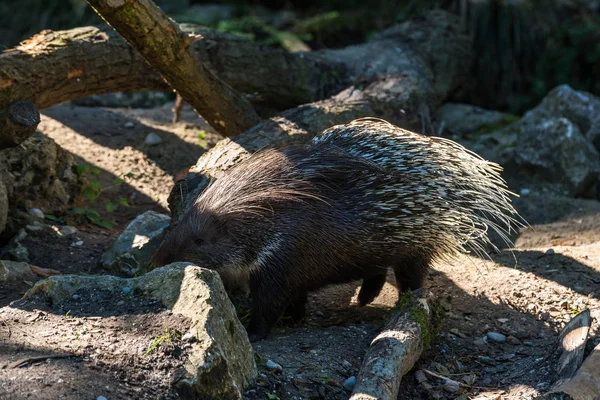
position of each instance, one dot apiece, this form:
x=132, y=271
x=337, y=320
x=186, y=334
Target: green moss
x=430, y=322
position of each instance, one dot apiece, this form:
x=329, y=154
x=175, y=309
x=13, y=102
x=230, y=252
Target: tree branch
x=162, y=43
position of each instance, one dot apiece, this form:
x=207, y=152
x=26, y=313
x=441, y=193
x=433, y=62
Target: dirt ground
x=98, y=348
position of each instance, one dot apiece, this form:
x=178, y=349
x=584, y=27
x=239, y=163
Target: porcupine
x=361, y=198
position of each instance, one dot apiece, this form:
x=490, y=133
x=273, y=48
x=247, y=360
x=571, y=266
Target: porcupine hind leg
x=370, y=288
x=410, y=272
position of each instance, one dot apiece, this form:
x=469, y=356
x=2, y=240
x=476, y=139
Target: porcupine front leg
x=271, y=293
x=297, y=308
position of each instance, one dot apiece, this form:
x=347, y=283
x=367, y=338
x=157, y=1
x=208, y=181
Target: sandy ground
x=527, y=294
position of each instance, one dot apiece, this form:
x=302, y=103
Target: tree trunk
x=401, y=75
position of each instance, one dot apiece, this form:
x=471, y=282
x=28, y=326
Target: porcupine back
x=437, y=193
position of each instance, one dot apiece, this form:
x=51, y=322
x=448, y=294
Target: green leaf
x=51, y=217
x=92, y=215
x=76, y=211
x=117, y=181
x=89, y=193
x=201, y=135
x=96, y=171
x=129, y=175
x=95, y=184
x=110, y=207
x=123, y=201
x=103, y=223
x=82, y=169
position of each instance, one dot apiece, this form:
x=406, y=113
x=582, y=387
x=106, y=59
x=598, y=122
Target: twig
x=29, y=360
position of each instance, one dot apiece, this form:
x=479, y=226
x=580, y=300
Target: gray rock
x=496, y=337
x=129, y=124
x=513, y=340
x=39, y=174
x=153, y=139
x=36, y=212
x=135, y=246
x=461, y=119
x=349, y=383
x=12, y=270
x=555, y=150
x=221, y=361
x=67, y=230
x=14, y=249
x=273, y=366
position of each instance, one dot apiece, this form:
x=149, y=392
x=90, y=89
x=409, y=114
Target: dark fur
x=290, y=222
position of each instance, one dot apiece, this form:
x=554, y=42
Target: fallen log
x=165, y=47
x=394, y=351
x=57, y=66
x=17, y=123
x=401, y=74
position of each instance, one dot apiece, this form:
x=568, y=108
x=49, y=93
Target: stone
x=496, y=337
x=462, y=119
x=349, y=383
x=220, y=362
x=133, y=249
x=40, y=174
x=14, y=249
x=153, y=139
x=12, y=270
x=273, y=366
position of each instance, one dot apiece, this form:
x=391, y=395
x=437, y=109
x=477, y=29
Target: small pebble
x=319, y=314
x=525, y=192
x=496, y=337
x=101, y=398
x=549, y=252
x=153, y=139
x=33, y=228
x=36, y=212
x=67, y=230
x=126, y=290
x=346, y=364
x=451, y=386
x=77, y=243
x=187, y=337
x=513, y=340
x=76, y=297
x=273, y=366
x=129, y=124
x=349, y=383
x=545, y=316
x=480, y=342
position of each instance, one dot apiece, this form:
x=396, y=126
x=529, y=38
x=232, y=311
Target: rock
x=129, y=124
x=153, y=139
x=513, y=340
x=36, y=212
x=3, y=206
x=39, y=174
x=67, y=230
x=555, y=150
x=496, y=337
x=14, y=249
x=101, y=398
x=554, y=142
x=349, y=383
x=549, y=252
x=133, y=249
x=273, y=366
x=451, y=386
x=221, y=361
x=461, y=119
x=12, y=270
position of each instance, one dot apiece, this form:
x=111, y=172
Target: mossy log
x=394, y=351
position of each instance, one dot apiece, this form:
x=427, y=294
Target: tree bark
x=17, y=123
x=393, y=353
x=400, y=75
x=162, y=43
